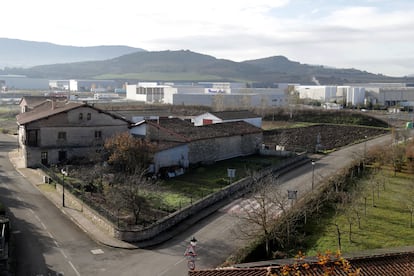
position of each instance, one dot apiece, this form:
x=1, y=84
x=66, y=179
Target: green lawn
x=386, y=223
x=202, y=181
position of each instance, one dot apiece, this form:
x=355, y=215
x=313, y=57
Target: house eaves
x=234, y=115
x=50, y=108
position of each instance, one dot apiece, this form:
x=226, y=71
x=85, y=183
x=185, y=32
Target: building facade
x=55, y=132
x=150, y=92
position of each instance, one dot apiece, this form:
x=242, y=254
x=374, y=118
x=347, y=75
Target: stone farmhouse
x=181, y=143
x=52, y=132
x=55, y=131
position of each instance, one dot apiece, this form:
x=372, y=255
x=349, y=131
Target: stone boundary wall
x=234, y=190
x=73, y=202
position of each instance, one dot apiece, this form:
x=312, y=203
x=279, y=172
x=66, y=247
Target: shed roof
x=234, y=115
x=189, y=132
x=33, y=101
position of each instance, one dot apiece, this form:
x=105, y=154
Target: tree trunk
x=339, y=236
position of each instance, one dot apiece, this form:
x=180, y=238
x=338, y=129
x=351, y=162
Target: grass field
x=385, y=224
x=156, y=76
x=204, y=180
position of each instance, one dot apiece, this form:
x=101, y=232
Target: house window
x=62, y=135
x=98, y=134
x=88, y=116
x=43, y=158
x=80, y=116
x=32, y=138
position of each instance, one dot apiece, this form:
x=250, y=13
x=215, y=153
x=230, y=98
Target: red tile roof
x=50, y=108
x=376, y=265
x=45, y=110
x=188, y=132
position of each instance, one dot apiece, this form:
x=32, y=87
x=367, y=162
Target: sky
x=371, y=35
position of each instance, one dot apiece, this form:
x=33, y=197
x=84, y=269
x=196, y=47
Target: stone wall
x=75, y=203
x=199, y=208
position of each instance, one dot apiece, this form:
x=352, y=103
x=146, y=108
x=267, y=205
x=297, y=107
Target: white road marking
x=43, y=225
x=74, y=268
x=63, y=253
x=97, y=251
x=168, y=269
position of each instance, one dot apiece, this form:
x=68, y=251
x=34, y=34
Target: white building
x=150, y=92
x=83, y=85
x=232, y=98
x=355, y=96
x=320, y=93
x=347, y=95
x=209, y=118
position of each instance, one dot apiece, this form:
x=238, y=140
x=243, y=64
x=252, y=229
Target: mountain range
x=23, y=53
x=46, y=60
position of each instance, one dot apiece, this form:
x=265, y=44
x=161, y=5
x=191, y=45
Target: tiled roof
x=33, y=101
x=189, y=132
x=376, y=265
x=50, y=108
x=46, y=109
x=233, y=115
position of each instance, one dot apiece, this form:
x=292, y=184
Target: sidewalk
x=35, y=177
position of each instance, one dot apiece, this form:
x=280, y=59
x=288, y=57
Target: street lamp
x=313, y=173
x=365, y=147
x=64, y=173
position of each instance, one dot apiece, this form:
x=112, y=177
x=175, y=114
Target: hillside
x=22, y=53
x=185, y=65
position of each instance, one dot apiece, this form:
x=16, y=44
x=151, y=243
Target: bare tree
x=407, y=201
x=260, y=211
x=131, y=193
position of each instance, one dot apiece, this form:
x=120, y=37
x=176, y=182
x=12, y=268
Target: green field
x=204, y=180
x=385, y=224
x=157, y=76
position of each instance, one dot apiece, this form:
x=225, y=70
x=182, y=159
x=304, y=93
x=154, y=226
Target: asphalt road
x=48, y=243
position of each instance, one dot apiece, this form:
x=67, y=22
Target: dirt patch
x=319, y=137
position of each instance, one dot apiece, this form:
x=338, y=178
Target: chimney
x=53, y=104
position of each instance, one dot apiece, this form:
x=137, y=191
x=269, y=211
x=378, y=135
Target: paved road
x=48, y=243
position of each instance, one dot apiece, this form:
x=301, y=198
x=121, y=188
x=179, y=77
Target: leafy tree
x=128, y=153
x=327, y=263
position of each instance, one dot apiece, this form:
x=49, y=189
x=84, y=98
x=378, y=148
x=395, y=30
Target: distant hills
x=134, y=64
x=23, y=53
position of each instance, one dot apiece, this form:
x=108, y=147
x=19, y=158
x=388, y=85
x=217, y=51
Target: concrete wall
x=177, y=156
x=212, y=150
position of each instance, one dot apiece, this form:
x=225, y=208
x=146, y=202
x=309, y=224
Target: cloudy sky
x=372, y=35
